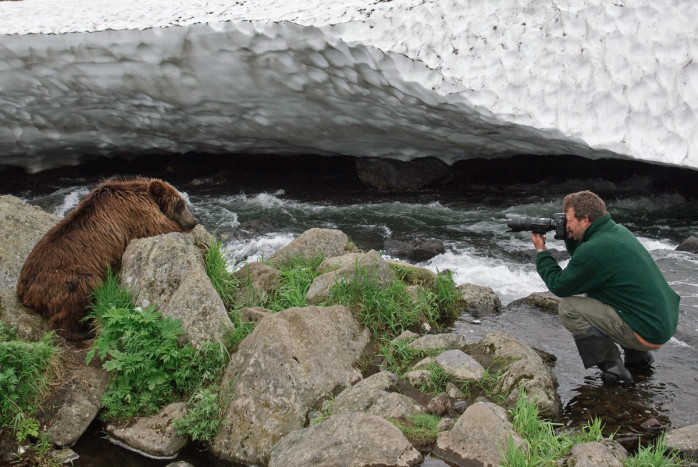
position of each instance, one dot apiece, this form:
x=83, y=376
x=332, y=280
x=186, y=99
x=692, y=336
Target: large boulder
x=525, y=370
x=311, y=243
x=606, y=452
x=478, y=437
x=30, y=325
x=690, y=244
x=280, y=372
x=375, y=266
x=169, y=271
x=684, y=440
x=21, y=227
x=350, y=439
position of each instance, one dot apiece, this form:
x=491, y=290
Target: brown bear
x=74, y=256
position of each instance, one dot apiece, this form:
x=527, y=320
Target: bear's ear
x=156, y=189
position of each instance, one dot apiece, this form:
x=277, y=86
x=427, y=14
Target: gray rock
x=351, y=439
x=439, y=342
x=545, y=301
x=30, y=325
x=440, y=405
x=153, y=436
x=73, y=407
x=310, y=243
x=411, y=274
x=445, y=424
x=168, y=270
x=257, y=281
x=21, y=227
x=418, y=253
x=606, y=452
x=418, y=378
x=460, y=365
x=254, y=313
x=478, y=300
x=477, y=436
x=280, y=371
x=372, y=262
x=372, y=396
x=684, y=440
x=690, y=244
x=526, y=370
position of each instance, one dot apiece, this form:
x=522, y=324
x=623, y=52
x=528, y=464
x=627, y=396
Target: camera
x=539, y=225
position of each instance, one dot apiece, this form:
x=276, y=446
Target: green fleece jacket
x=610, y=265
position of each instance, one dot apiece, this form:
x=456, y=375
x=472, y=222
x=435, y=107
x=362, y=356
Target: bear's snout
x=187, y=220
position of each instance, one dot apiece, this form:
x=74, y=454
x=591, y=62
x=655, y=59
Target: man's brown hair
x=585, y=204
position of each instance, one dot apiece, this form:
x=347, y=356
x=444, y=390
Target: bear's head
x=172, y=204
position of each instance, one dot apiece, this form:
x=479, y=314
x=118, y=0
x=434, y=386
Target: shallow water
x=472, y=225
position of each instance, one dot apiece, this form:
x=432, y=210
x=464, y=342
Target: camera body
x=539, y=225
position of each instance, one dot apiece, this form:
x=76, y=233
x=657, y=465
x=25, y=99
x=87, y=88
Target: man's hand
x=538, y=241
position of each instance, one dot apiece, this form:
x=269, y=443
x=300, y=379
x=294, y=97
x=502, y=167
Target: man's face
x=576, y=227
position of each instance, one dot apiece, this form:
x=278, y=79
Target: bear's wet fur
x=75, y=255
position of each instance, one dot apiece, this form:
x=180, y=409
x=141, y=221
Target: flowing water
x=479, y=250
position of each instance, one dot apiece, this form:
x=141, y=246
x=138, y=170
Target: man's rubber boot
x=598, y=349
x=640, y=359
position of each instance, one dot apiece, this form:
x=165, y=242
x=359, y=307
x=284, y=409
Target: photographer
x=627, y=300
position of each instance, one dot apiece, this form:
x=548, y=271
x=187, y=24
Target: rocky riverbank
x=294, y=391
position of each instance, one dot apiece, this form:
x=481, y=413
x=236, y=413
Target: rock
x=606, y=452
x=453, y=391
x=254, y=314
x=459, y=365
x=169, y=271
x=440, y=405
x=545, y=301
x=391, y=174
x=477, y=436
x=445, y=424
x=376, y=269
x=478, y=300
x=21, y=227
x=279, y=373
x=406, y=336
x=684, y=440
x=439, y=342
x=350, y=439
x=70, y=410
x=310, y=243
x=411, y=274
x=418, y=378
x=257, y=281
x=30, y=325
x=526, y=370
x=690, y=244
x=153, y=436
x=420, y=253
x=372, y=396
x=460, y=406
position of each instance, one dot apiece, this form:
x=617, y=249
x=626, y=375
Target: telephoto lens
x=538, y=225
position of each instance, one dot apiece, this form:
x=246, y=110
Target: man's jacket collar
x=599, y=224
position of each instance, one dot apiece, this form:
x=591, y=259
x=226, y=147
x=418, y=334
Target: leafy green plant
x=203, y=416
x=139, y=347
x=26, y=369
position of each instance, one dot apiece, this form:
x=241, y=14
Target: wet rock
x=169, y=270
x=445, y=341
x=30, y=325
x=525, y=370
x=256, y=282
x=153, y=436
x=349, y=439
x=280, y=371
x=606, y=452
x=460, y=365
x=477, y=436
x=684, y=440
x=391, y=174
x=478, y=300
x=309, y=244
x=545, y=301
x=252, y=228
x=376, y=269
x=440, y=405
x=418, y=253
x=372, y=396
x=651, y=424
x=21, y=227
x=690, y=244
